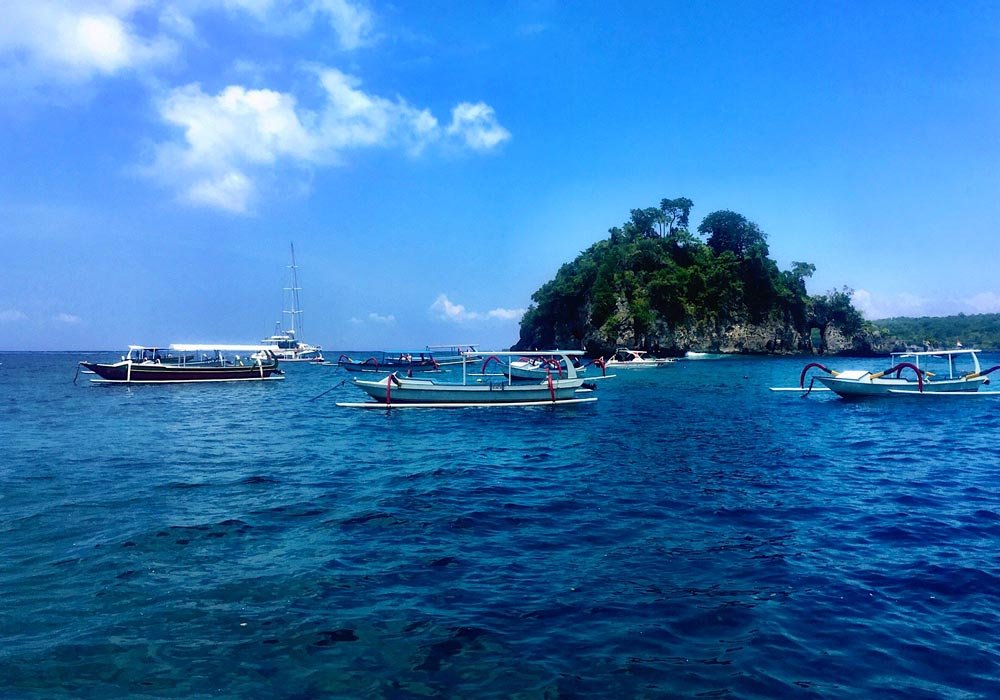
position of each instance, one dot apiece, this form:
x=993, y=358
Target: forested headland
x=973, y=331
x=655, y=284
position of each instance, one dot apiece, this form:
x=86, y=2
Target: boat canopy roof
x=203, y=347
x=456, y=347
x=931, y=353
x=530, y=353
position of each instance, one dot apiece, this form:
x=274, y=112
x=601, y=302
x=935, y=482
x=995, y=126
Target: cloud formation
x=75, y=40
x=67, y=318
x=385, y=320
x=476, y=125
x=228, y=137
x=11, y=315
x=352, y=23
x=444, y=309
x=224, y=143
x=873, y=306
x=984, y=303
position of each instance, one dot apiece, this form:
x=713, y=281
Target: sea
x=689, y=535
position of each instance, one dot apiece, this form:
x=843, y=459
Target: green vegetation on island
x=973, y=331
x=653, y=284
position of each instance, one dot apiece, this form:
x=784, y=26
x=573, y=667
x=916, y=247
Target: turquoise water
x=691, y=534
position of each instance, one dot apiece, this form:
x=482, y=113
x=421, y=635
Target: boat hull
x=389, y=366
x=525, y=371
x=863, y=387
x=152, y=373
x=285, y=357
x=426, y=391
x=637, y=364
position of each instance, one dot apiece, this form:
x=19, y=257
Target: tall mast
x=295, y=312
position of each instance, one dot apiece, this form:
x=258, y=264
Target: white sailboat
x=286, y=344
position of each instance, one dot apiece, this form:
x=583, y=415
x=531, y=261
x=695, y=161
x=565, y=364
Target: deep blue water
x=689, y=535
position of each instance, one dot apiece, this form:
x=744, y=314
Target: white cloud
x=373, y=317
x=984, y=303
x=877, y=306
x=174, y=20
x=506, y=314
x=67, y=318
x=446, y=310
x=231, y=191
x=227, y=138
x=476, y=124
x=351, y=22
x=73, y=41
x=352, y=118
x=11, y=315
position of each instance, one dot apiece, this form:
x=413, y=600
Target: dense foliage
x=652, y=275
x=976, y=330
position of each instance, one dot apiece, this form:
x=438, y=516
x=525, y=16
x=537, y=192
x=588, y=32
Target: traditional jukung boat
x=635, y=359
x=476, y=390
x=147, y=365
x=285, y=344
x=453, y=354
x=534, y=368
x=408, y=362
x=957, y=373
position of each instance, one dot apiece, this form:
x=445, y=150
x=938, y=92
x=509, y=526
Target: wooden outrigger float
x=478, y=390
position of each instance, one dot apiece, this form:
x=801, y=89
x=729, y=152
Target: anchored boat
x=286, y=344
x=194, y=363
x=476, y=390
x=635, y=359
x=928, y=373
x=453, y=354
x=390, y=362
x=537, y=368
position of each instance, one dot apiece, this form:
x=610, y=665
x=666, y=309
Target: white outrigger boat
x=533, y=366
x=478, y=390
x=635, y=359
x=958, y=373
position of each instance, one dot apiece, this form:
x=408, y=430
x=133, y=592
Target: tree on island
x=655, y=285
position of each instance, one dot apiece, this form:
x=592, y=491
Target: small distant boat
x=217, y=363
x=532, y=367
x=287, y=348
x=285, y=344
x=391, y=362
x=635, y=359
x=955, y=373
x=694, y=355
x=453, y=354
x=476, y=390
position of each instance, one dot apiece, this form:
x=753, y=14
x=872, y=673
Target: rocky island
x=655, y=285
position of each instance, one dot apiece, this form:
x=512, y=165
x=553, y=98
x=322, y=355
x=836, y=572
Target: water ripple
x=690, y=535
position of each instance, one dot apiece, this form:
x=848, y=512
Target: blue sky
x=435, y=163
